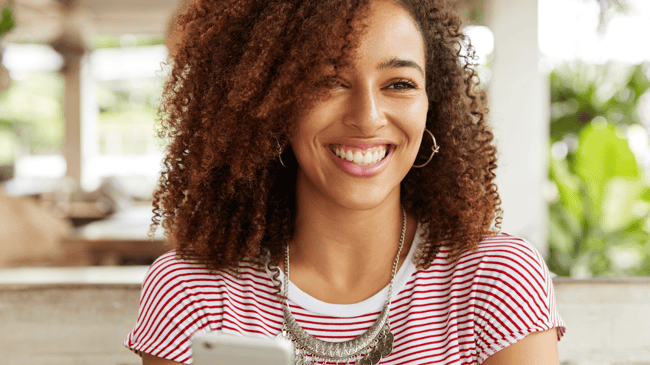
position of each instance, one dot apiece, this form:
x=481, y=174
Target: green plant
x=6, y=20
x=7, y=137
x=114, y=41
x=31, y=111
x=598, y=224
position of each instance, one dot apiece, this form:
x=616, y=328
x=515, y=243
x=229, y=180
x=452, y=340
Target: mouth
x=360, y=156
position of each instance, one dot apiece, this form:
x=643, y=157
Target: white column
x=80, y=107
x=89, y=126
x=519, y=111
x=80, y=112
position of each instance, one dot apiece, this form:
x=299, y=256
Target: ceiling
x=42, y=21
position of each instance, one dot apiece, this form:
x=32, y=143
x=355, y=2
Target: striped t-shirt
x=450, y=313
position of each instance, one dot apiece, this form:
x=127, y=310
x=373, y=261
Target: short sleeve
x=171, y=311
x=513, y=295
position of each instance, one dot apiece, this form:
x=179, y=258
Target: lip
x=355, y=170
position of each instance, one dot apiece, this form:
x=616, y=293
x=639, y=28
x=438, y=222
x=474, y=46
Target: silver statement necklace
x=366, y=349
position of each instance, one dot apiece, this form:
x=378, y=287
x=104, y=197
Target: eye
x=402, y=85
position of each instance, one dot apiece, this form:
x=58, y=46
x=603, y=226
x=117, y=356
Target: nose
x=365, y=112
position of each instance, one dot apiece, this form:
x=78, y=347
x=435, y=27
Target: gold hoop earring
x=280, y=156
x=434, y=150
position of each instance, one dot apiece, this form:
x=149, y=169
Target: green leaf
x=621, y=203
x=601, y=156
x=563, y=227
x=625, y=257
x=7, y=147
x=6, y=22
x=603, y=200
x=568, y=186
x=639, y=82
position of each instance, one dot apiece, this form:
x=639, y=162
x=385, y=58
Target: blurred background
x=79, y=157
x=80, y=82
x=568, y=84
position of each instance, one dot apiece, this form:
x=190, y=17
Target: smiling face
x=355, y=147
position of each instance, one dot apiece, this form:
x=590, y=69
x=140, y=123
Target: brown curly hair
x=244, y=72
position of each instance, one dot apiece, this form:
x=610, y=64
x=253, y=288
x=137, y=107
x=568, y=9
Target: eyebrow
x=397, y=63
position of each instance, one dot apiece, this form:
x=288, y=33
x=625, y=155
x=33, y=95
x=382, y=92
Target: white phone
x=220, y=349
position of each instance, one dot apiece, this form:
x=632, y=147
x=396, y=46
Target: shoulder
x=510, y=280
x=496, y=294
x=512, y=292
x=180, y=298
x=502, y=256
x=505, y=271
x=170, y=273
x=505, y=244
x=166, y=318
x=174, y=288
x=502, y=267
x=505, y=254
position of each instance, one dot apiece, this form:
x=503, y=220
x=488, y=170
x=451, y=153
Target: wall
x=67, y=324
x=608, y=321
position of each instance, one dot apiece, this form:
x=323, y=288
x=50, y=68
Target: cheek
x=297, y=142
x=304, y=137
x=421, y=110
x=312, y=124
x=416, y=116
x=301, y=131
x=415, y=109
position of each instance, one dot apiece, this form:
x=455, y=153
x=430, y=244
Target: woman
x=346, y=141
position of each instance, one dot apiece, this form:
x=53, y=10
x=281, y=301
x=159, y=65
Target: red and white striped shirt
x=450, y=313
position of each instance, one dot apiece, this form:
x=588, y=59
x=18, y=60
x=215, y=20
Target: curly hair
x=244, y=72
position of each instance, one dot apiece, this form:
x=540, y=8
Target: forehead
x=389, y=31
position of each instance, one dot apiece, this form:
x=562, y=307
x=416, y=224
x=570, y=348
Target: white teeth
x=360, y=158
x=367, y=158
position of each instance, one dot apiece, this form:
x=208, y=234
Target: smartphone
x=220, y=349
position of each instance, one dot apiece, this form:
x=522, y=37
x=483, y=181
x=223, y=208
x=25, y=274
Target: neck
x=341, y=255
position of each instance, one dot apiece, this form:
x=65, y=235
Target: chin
x=365, y=200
